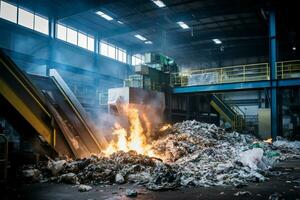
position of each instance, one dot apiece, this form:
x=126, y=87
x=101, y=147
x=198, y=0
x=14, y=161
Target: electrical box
x=264, y=123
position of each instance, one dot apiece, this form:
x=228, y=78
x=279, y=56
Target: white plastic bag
x=252, y=157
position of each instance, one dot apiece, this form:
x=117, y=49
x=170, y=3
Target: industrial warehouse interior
x=149, y=99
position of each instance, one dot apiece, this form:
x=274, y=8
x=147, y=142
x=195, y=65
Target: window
x=103, y=49
x=71, y=36
x=121, y=56
x=61, y=32
x=137, y=59
x=124, y=59
x=25, y=18
x=82, y=40
x=111, y=52
x=32, y=21
x=91, y=44
x=41, y=24
x=8, y=12
x=75, y=37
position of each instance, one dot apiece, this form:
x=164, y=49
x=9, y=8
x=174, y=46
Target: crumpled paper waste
x=190, y=153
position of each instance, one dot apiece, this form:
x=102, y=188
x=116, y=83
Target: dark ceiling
x=241, y=25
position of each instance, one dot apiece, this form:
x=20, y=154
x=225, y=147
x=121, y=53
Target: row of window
x=113, y=52
x=24, y=17
x=75, y=37
x=35, y=22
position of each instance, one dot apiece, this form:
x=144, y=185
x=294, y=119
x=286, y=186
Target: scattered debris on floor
x=190, y=153
x=131, y=193
x=69, y=178
x=242, y=193
x=84, y=188
x=275, y=196
x=119, y=179
x=31, y=175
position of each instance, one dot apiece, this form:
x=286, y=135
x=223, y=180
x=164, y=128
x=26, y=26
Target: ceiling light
x=140, y=37
x=105, y=16
x=217, y=41
x=294, y=48
x=120, y=22
x=183, y=25
x=148, y=42
x=159, y=3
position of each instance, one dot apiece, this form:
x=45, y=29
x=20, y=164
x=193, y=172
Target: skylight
x=105, y=16
x=217, y=41
x=159, y=3
x=140, y=37
x=183, y=25
x=148, y=42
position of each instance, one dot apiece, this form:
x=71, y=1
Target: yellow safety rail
x=238, y=115
x=288, y=69
x=233, y=74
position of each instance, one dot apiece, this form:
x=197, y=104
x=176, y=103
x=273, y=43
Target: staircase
x=232, y=114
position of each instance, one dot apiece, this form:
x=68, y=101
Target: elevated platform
x=235, y=86
x=241, y=77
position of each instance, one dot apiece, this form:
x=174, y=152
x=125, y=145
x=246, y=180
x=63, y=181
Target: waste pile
x=190, y=153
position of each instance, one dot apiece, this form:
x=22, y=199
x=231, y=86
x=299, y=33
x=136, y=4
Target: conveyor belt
x=50, y=108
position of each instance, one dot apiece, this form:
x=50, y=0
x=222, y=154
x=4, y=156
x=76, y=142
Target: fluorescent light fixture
x=105, y=16
x=148, y=42
x=159, y=3
x=120, y=22
x=183, y=25
x=140, y=37
x=217, y=41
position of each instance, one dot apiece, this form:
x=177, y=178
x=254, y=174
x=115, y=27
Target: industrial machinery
x=154, y=74
x=46, y=106
x=152, y=103
x=161, y=62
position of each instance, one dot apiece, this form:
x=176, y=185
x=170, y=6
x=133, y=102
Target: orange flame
x=133, y=139
x=165, y=127
x=268, y=141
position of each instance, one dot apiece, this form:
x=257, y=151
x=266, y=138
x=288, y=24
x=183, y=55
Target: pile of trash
x=190, y=153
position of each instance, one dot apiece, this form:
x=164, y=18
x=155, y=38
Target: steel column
x=52, y=34
x=272, y=60
x=52, y=27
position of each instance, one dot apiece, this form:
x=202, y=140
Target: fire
x=268, y=141
x=165, y=127
x=135, y=138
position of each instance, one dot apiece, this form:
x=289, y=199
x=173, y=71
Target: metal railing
x=233, y=74
x=288, y=69
x=238, y=116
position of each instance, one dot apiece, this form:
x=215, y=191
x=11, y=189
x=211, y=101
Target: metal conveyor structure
x=48, y=106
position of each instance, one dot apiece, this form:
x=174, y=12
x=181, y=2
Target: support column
x=273, y=79
x=188, y=110
x=96, y=43
x=52, y=27
x=52, y=34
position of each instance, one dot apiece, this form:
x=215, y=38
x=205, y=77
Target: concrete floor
x=284, y=185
